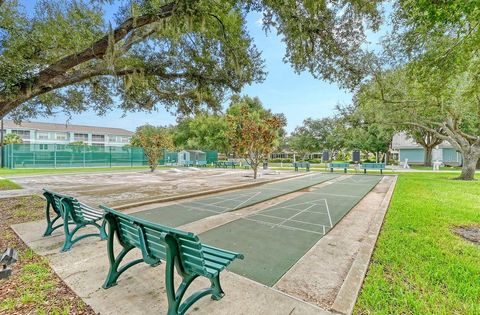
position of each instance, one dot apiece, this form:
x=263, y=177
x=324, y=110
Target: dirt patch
x=128, y=187
x=33, y=288
x=470, y=233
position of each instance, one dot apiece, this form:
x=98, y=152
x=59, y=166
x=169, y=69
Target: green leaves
x=153, y=140
x=253, y=132
x=324, y=37
x=12, y=138
x=183, y=55
x=204, y=131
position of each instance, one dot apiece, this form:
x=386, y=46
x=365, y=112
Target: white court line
x=246, y=200
x=351, y=184
x=328, y=211
x=206, y=205
x=293, y=216
x=334, y=195
x=292, y=209
x=222, y=199
x=282, y=226
x=271, y=216
x=314, y=202
x=360, y=179
x=189, y=208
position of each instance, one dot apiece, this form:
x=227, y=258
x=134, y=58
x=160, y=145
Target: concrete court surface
x=324, y=281
x=122, y=187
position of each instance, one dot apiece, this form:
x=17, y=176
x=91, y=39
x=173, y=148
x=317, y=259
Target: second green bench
x=180, y=250
x=305, y=165
x=373, y=166
x=73, y=213
x=339, y=165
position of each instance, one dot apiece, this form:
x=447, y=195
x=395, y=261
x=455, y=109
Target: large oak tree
x=183, y=55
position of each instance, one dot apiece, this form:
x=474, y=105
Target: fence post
x=110, y=156
x=54, y=156
x=131, y=157
x=13, y=162
x=84, y=148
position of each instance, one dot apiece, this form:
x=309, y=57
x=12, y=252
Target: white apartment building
x=50, y=133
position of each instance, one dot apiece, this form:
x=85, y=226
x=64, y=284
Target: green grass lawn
x=419, y=265
x=442, y=168
x=6, y=184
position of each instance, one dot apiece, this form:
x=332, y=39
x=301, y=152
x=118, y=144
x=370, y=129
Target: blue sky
x=283, y=91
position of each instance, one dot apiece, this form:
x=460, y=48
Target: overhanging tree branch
x=53, y=77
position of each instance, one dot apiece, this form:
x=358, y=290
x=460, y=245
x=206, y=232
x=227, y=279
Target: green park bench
x=219, y=164
x=202, y=163
x=180, y=250
x=74, y=213
x=298, y=165
x=188, y=163
x=339, y=165
x=373, y=166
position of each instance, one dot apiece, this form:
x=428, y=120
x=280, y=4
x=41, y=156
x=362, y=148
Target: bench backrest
x=66, y=205
x=49, y=196
x=150, y=238
x=339, y=165
x=301, y=164
x=373, y=165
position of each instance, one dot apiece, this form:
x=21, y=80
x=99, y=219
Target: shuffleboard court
x=187, y=212
x=274, y=239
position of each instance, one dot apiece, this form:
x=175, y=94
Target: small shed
x=191, y=157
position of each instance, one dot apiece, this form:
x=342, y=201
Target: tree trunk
x=255, y=170
x=469, y=165
x=427, y=159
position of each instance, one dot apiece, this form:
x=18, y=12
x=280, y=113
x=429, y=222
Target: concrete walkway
x=19, y=192
x=325, y=281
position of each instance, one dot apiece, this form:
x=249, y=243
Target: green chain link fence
x=64, y=155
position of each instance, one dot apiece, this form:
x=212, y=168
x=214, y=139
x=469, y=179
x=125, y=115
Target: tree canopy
x=12, y=138
x=206, y=132
x=184, y=55
x=253, y=131
x=153, y=140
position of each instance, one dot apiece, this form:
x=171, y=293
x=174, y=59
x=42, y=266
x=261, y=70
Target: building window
x=24, y=134
x=43, y=147
x=80, y=137
x=98, y=138
x=119, y=139
x=42, y=135
x=61, y=136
